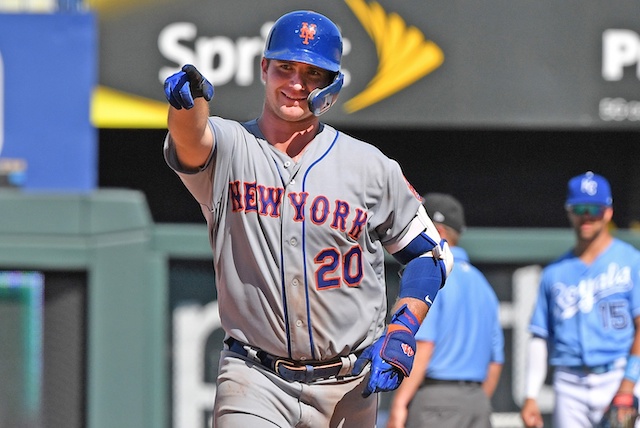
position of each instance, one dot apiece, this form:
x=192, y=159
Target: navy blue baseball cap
x=444, y=208
x=589, y=188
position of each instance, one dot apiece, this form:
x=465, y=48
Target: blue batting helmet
x=305, y=36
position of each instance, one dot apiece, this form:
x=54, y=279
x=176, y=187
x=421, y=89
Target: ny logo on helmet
x=307, y=32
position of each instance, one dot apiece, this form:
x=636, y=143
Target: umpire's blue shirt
x=464, y=325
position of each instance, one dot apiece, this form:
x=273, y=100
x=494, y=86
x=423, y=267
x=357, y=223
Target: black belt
x=293, y=371
x=603, y=368
x=431, y=381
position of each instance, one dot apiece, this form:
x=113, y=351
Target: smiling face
x=287, y=86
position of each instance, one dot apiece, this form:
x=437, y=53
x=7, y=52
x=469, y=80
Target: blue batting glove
x=391, y=356
x=182, y=88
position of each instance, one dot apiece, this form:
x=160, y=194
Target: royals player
x=587, y=317
x=298, y=215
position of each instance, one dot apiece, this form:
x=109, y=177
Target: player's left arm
x=624, y=405
x=428, y=261
x=632, y=372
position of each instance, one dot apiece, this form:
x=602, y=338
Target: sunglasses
x=587, y=209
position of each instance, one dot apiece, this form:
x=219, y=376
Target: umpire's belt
x=459, y=382
x=293, y=371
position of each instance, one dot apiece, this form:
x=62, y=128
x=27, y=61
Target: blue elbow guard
x=422, y=278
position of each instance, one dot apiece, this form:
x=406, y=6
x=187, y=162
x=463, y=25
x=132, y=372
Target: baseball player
x=298, y=215
x=586, y=319
x=460, y=344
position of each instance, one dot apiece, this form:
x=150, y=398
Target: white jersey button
x=293, y=242
x=298, y=323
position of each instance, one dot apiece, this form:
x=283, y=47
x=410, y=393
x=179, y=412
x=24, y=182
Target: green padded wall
x=107, y=235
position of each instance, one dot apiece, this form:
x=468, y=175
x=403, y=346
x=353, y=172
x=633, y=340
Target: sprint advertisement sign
x=413, y=63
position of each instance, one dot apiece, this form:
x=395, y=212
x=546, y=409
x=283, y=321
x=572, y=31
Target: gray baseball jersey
x=298, y=247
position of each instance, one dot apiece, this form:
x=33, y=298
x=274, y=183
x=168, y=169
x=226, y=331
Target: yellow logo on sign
x=404, y=55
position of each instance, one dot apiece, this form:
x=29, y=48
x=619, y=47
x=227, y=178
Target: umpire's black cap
x=444, y=208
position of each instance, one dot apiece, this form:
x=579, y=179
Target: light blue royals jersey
x=464, y=325
x=587, y=313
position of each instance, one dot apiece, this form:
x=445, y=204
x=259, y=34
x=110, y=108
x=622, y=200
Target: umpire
x=460, y=345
